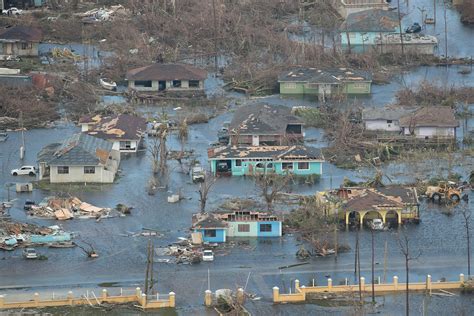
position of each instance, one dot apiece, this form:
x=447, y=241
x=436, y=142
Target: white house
x=124, y=131
x=430, y=122
x=80, y=158
x=385, y=118
x=166, y=77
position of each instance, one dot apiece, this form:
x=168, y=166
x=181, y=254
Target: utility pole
x=358, y=271
x=400, y=29
x=445, y=33
x=215, y=35
x=434, y=11
x=22, y=147
x=373, y=267
x=385, y=252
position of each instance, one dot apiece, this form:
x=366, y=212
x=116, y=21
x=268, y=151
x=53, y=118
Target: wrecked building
x=325, y=82
x=80, y=158
x=265, y=125
x=430, y=122
x=243, y=223
x=252, y=160
x=19, y=41
x=361, y=29
x=166, y=77
x=124, y=131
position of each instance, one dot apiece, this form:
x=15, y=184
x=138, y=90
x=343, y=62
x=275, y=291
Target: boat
x=108, y=84
x=3, y=136
x=415, y=28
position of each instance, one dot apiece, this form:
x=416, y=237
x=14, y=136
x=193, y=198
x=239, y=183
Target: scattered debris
x=24, y=187
x=72, y=207
x=13, y=234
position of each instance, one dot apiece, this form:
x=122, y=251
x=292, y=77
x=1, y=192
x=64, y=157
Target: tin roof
x=167, y=72
x=386, y=113
x=263, y=119
x=207, y=221
x=277, y=153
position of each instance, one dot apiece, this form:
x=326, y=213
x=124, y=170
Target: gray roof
x=277, y=153
x=78, y=150
x=374, y=20
x=386, y=113
x=207, y=221
x=115, y=127
x=262, y=119
x=328, y=75
x=430, y=116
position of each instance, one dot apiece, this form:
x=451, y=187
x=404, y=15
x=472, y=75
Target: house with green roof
x=325, y=82
x=361, y=29
x=80, y=158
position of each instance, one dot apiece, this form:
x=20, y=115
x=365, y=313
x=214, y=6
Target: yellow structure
x=359, y=204
x=394, y=287
x=138, y=297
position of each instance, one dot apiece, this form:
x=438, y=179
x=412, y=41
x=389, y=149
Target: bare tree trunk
x=400, y=30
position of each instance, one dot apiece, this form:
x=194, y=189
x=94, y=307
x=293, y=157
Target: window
x=238, y=163
x=303, y=165
x=287, y=166
x=26, y=46
x=290, y=85
x=243, y=228
x=176, y=83
x=266, y=228
x=260, y=165
x=125, y=144
x=194, y=83
x=210, y=233
x=89, y=170
x=389, y=121
x=63, y=169
x=269, y=165
x=143, y=83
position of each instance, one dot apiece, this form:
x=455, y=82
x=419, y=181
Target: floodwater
x=439, y=237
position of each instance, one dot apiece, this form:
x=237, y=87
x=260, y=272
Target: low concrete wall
x=428, y=285
x=70, y=300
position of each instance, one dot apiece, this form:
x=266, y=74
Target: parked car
x=415, y=28
x=24, y=170
x=30, y=253
x=28, y=205
x=197, y=174
x=12, y=11
x=377, y=224
x=208, y=255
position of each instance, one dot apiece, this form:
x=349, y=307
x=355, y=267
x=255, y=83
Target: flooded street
x=439, y=237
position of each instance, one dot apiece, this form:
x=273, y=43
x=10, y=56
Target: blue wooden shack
x=252, y=160
x=213, y=230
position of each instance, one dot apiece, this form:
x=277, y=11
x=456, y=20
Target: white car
x=377, y=224
x=12, y=11
x=24, y=170
x=30, y=253
x=207, y=255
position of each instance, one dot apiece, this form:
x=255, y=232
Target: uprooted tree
x=204, y=189
x=270, y=185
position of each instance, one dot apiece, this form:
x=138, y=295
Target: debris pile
x=72, y=207
x=102, y=14
x=13, y=234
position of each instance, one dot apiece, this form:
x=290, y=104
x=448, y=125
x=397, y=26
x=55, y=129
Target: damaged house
x=167, y=77
x=429, y=122
x=252, y=160
x=80, y=158
x=358, y=205
x=360, y=30
x=265, y=125
x=217, y=226
x=325, y=82
x=386, y=119
x=124, y=131
x=19, y=41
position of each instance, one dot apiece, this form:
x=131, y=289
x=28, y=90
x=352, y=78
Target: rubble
x=102, y=14
x=14, y=234
x=72, y=207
